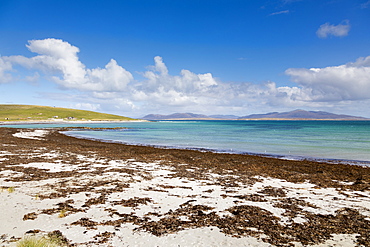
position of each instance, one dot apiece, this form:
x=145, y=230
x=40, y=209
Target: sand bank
x=106, y=194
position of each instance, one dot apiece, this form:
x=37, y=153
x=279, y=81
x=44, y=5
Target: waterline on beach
x=338, y=141
x=325, y=140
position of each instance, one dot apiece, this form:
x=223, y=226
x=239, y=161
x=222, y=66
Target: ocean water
x=338, y=141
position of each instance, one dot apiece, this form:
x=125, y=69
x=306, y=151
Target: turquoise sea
x=338, y=141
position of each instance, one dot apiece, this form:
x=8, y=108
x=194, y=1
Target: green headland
x=42, y=113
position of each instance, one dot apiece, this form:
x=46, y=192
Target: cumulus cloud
x=59, y=59
x=5, y=67
x=328, y=29
x=350, y=81
x=162, y=87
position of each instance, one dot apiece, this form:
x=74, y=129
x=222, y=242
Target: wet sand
x=108, y=194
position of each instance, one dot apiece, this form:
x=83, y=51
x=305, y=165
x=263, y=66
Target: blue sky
x=135, y=57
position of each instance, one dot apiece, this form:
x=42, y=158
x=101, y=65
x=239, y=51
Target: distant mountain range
x=302, y=114
x=292, y=115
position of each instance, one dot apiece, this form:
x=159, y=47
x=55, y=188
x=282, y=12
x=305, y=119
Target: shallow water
x=337, y=140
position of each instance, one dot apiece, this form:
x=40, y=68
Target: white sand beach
x=94, y=200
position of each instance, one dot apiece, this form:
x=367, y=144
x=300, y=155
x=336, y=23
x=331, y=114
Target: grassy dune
x=33, y=112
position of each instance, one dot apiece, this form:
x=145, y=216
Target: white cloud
x=350, y=81
x=4, y=67
x=159, y=80
x=112, y=78
x=60, y=60
x=33, y=78
x=86, y=106
x=280, y=12
x=339, y=30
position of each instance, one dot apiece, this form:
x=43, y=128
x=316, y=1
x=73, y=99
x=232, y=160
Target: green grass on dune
x=52, y=239
x=33, y=112
x=31, y=241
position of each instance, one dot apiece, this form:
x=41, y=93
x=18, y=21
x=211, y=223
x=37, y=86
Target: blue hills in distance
x=291, y=115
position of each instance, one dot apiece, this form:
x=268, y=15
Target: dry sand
x=105, y=194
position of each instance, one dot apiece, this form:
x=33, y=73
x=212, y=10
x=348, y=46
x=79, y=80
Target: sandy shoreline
x=107, y=194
